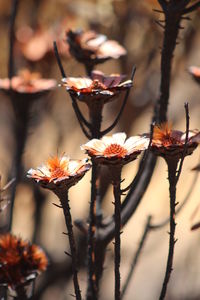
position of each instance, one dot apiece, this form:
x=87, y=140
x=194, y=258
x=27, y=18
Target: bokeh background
x=54, y=129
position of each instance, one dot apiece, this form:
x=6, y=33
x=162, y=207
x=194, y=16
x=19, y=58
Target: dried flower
x=116, y=149
x=59, y=172
x=99, y=86
x=195, y=72
x=168, y=142
x=37, y=45
x=19, y=259
x=27, y=84
x=92, y=48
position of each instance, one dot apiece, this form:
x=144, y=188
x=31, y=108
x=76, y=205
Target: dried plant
x=19, y=260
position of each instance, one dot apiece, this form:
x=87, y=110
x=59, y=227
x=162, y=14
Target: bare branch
x=121, y=109
x=191, y=8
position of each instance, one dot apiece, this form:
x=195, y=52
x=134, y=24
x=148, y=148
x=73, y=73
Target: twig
x=143, y=161
x=172, y=166
x=180, y=207
x=76, y=108
x=136, y=256
x=63, y=196
x=92, y=286
x=121, y=109
x=187, y=117
x=59, y=60
x=116, y=177
x=79, y=118
x=3, y=291
x=15, y=4
x=191, y=8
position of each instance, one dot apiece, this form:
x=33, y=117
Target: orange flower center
x=96, y=84
x=163, y=134
x=115, y=150
x=57, y=168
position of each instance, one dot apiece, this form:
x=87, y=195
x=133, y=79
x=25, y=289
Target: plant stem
x=95, y=112
x=92, y=286
x=116, y=177
x=15, y=4
x=3, y=291
x=21, y=293
x=22, y=112
x=172, y=167
x=63, y=196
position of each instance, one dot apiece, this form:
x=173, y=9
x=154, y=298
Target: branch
x=191, y=8
x=62, y=71
x=12, y=37
x=76, y=108
x=80, y=120
x=121, y=109
x=181, y=206
x=142, y=163
x=187, y=117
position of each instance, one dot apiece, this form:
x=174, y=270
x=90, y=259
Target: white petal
x=94, y=144
x=107, y=140
x=119, y=138
x=136, y=143
x=73, y=166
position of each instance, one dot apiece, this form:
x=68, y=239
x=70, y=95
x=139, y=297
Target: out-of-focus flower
x=59, y=172
x=37, y=45
x=19, y=260
x=116, y=149
x=167, y=142
x=27, y=84
x=92, y=48
x=195, y=72
x=99, y=86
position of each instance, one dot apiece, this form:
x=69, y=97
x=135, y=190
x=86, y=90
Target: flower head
x=19, y=259
x=116, y=149
x=37, y=45
x=99, y=86
x=27, y=84
x=168, y=142
x=92, y=48
x=195, y=72
x=59, y=171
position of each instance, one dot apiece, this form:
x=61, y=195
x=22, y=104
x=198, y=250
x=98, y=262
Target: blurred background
x=54, y=129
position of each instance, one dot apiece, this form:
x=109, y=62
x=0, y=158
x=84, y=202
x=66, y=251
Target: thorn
x=180, y=27
x=158, y=23
x=65, y=233
x=113, y=203
x=176, y=204
x=67, y=253
x=158, y=11
x=113, y=243
x=175, y=241
x=59, y=206
x=186, y=18
x=121, y=232
x=122, y=180
x=72, y=295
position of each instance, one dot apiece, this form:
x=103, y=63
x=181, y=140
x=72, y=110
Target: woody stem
x=63, y=196
x=92, y=285
x=3, y=291
x=172, y=167
x=21, y=293
x=116, y=176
